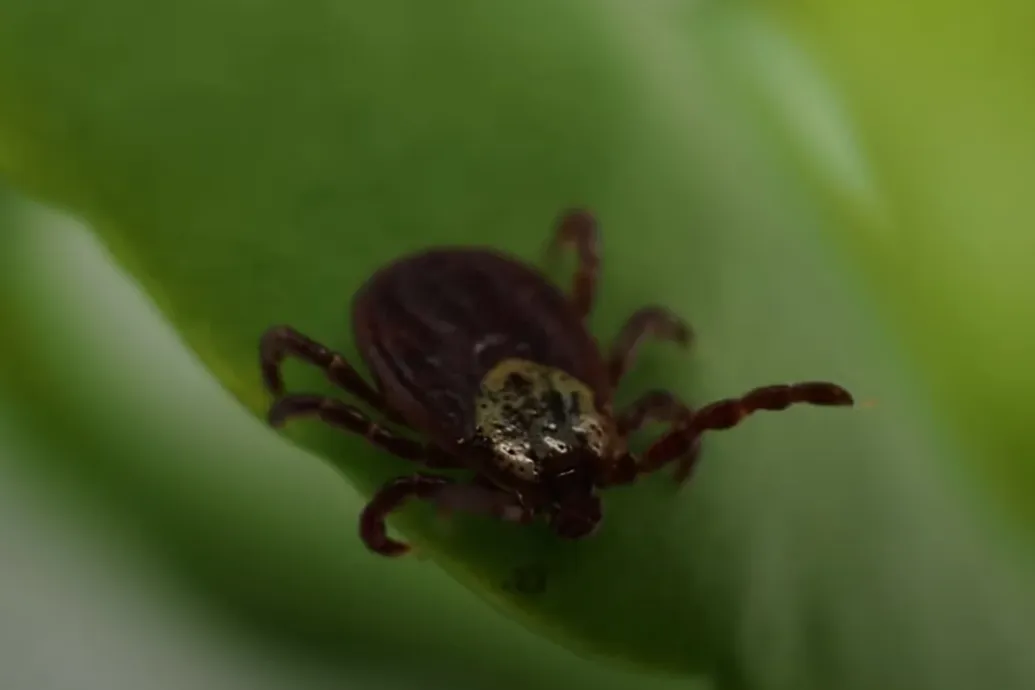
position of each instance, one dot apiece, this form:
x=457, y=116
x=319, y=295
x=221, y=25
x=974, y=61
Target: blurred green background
x=824, y=190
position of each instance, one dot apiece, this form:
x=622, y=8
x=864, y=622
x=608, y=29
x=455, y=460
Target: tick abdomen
x=433, y=326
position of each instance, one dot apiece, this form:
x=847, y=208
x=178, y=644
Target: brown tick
x=494, y=366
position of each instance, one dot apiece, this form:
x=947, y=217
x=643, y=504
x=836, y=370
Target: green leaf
x=945, y=116
x=252, y=165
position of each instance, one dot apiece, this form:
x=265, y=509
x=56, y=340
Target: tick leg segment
x=345, y=416
x=653, y=406
x=281, y=341
x=578, y=228
x=661, y=406
x=652, y=321
x=726, y=414
x=443, y=491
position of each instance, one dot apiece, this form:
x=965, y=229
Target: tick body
x=493, y=367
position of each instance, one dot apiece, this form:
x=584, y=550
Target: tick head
x=568, y=482
x=577, y=516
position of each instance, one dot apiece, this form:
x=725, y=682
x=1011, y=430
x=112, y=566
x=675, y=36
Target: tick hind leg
x=279, y=342
x=445, y=493
x=344, y=416
x=577, y=229
x=661, y=406
x=652, y=321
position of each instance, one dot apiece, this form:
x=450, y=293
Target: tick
x=493, y=368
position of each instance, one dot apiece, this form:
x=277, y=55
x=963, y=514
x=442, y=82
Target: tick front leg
x=578, y=228
x=279, y=342
x=445, y=493
x=653, y=321
x=653, y=406
x=726, y=414
x=345, y=416
x=660, y=406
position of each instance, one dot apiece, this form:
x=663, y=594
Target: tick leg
x=653, y=406
x=653, y=321
x=578, y=228
x=280, y=341
x=661, y=406
x=726, y=414
x=345, y=416
x=441, y=490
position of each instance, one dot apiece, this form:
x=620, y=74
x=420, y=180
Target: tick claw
x=276, y=417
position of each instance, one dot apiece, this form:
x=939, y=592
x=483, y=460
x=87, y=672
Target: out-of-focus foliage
x=259, y=529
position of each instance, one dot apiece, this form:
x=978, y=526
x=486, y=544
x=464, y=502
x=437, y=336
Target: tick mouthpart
x=572, y=478
x=577, y=517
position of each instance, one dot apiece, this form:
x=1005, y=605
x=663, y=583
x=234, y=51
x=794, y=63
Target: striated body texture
x=432, y=327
